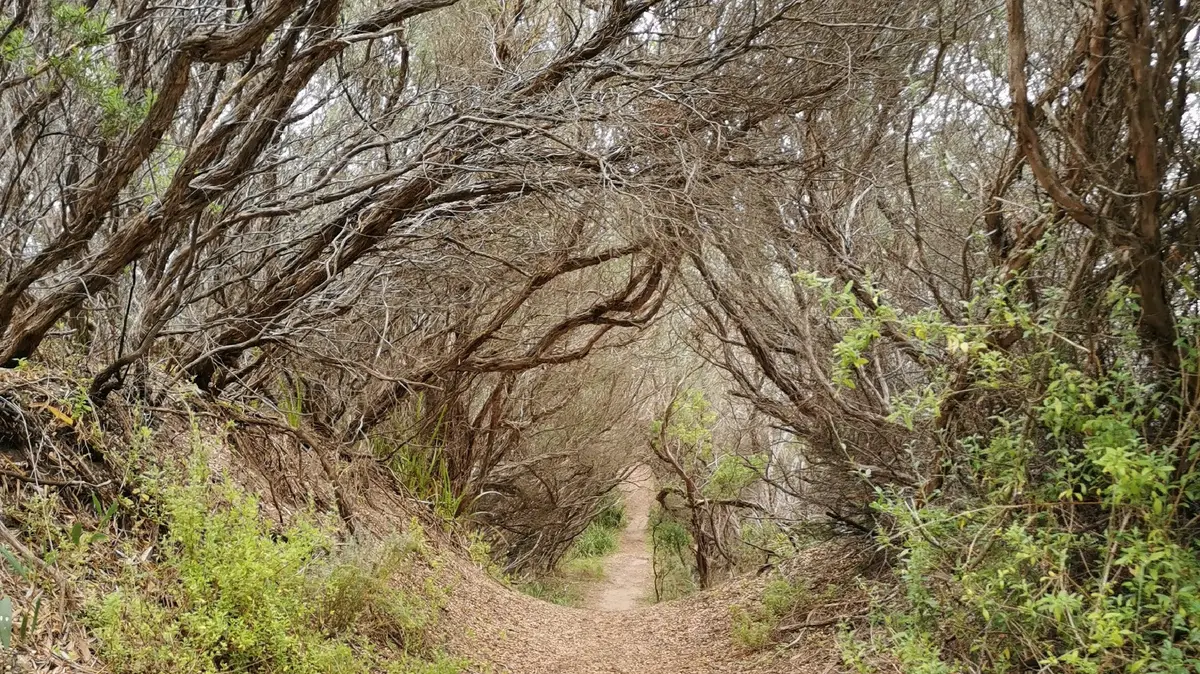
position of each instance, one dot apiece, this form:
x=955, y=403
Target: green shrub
x=781, y=597
x=749, y=631
x=479, y=549
x=674, y=566
x=355, y=595
x=754, y=627
x=229, y=595
x=1066, y=540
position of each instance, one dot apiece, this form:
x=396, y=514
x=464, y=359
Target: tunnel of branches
x=506, y=240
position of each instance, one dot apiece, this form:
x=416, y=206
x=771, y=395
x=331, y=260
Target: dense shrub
x=231, y=595
x=674, y=567
x=1063, y=538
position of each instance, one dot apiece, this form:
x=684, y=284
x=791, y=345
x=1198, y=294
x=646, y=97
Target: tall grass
x=584, y=561
x=596, y=540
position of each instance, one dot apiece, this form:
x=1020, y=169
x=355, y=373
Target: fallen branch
x=820, y=623
x=52, y=483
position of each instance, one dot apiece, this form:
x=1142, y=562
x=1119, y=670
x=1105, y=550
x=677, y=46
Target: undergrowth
x=756, y=625
x=219, y=590
x=584, y=561
x=1066, y=540
x=671, y=556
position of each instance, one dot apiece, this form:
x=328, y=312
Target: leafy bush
x=229, y=595
x=749, y=631
x=754, y=627
x=732, y=473
x=1067, y=541
x=674, y=568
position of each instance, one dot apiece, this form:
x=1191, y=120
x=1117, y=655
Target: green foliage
x=74, y=52
x=86, y=27
x=427, y=477
x=433, y=663
x=691, y=422
x=231, y=595
x=479, y=549
x=14, y=47
x=862, y=325
x=41, y=517
x=291, y=401
x=703, y=484
x=755, y=626
x=582, y=568
x=782, y=596
x=674, y=565
x=596, y=540
x=356, y=594
x=748, y=631
x=1069, y=549
x=612, y=514
x=6, y=622
x=600, y=536
x=732, y=474
x=88, y=67
x=423, y=467
x=565, y=584
x=14, y=562
x=584, y=561
x=765, y=540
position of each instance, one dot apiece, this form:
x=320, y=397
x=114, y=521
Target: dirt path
x=617, y=631
x=628, y=573
x=504, y=632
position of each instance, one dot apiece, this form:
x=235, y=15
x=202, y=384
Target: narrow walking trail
x=618, y=631
x=628, y=573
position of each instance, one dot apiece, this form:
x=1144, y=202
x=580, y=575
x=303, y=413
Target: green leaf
x=6, y=622
x=20, y=569
x=30, y=624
